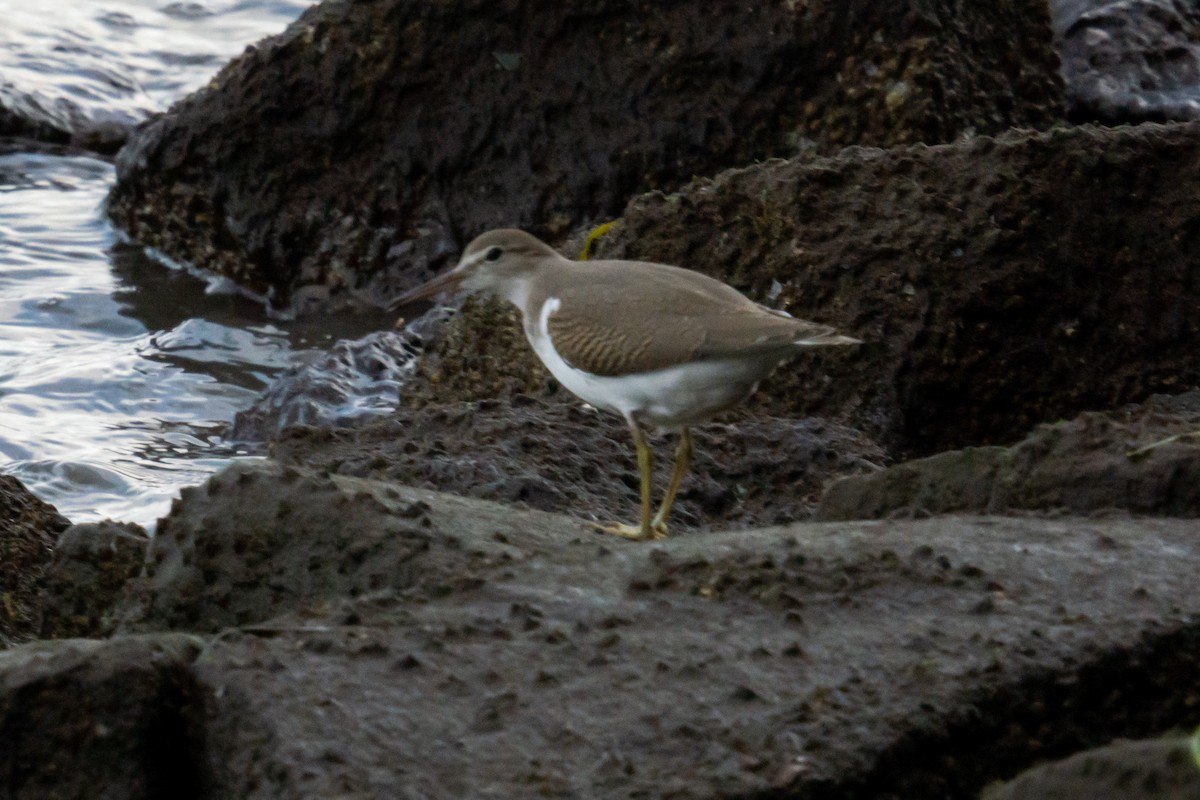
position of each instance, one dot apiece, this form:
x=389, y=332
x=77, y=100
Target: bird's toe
x=625, y=531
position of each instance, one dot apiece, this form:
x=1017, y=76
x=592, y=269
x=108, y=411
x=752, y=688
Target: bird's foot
x=630, y=531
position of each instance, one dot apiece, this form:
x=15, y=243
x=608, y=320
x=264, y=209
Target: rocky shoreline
x=964, y=550
x=298, y=634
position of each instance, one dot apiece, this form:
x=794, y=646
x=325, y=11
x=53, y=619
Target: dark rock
x=1158, y=769
x=480, y=354
x=1129, y=60
x=958, y=480
x=1144, y=460
x=18, y=125
x=558, y=456
x=357, y=150
x=518, y=653
x=256, y=541
x=63, y=123
x=92, y=563
x=997, y=283
x=28, y=528
x=92, y=720
x=835, y=660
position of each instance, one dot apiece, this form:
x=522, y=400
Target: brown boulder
x=1156, y=769
x=519, y=653
x=510, y=652
x=28, y=529
x=93, y=720
x=92, y=564
x=1143, y=460
x=997, y=283
x=358, y=149
x=560, y=456
x=256, y=541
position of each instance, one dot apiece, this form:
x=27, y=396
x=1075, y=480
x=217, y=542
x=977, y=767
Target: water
x=118, y=374
x=91, y=62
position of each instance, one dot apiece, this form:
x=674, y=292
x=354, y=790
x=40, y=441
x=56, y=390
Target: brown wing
x=621, y=317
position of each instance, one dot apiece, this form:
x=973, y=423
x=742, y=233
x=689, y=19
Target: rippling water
x=118, y=60
x=117, y=374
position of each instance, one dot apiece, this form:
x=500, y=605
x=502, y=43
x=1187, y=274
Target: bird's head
x=494, y=263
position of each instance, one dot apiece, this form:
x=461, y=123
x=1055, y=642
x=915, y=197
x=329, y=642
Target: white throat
x=516, y=292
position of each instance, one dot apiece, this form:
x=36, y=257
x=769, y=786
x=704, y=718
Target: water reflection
x=117, y=374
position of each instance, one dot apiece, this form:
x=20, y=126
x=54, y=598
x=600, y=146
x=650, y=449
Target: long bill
x=446, y=282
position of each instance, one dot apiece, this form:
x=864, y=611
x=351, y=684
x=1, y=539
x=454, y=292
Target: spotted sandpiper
x=661, y=346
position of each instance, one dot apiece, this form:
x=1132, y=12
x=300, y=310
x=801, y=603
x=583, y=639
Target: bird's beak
x=446, y=282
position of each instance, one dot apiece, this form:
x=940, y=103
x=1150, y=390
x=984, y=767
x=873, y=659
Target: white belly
x=667, y=398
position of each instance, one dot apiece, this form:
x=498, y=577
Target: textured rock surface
x=1129, y=60
x=255, y=541
x=1160, y=769
x=92, y=563
x=1143, y=459
x=18, y=125
x=28, y=528
x=359, y=149
x=997, y=283
x=916, y=659
x=556, y=455
x=100, y=720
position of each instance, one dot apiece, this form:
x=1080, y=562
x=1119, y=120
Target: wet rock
x=28, y=529
x=344, y=387
x=105, y=720
x=62, y=122
x=997, y=283
x=1129, y=61
x=15, y=124
x=1159, y=769
x=92, y=563
x=1143, y=459
x=397, y=130
x=556, y=455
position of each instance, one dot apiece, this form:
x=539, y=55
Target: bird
x=664, y=347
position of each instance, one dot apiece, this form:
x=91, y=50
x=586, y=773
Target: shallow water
x=118, y=60
x=117, y=373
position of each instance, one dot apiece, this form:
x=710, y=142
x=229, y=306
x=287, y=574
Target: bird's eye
x=494, y=254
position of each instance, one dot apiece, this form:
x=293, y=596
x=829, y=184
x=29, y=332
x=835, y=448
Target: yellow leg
x=645, y=461
x=683, y=459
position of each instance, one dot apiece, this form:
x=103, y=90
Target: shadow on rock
x=1160, y=769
